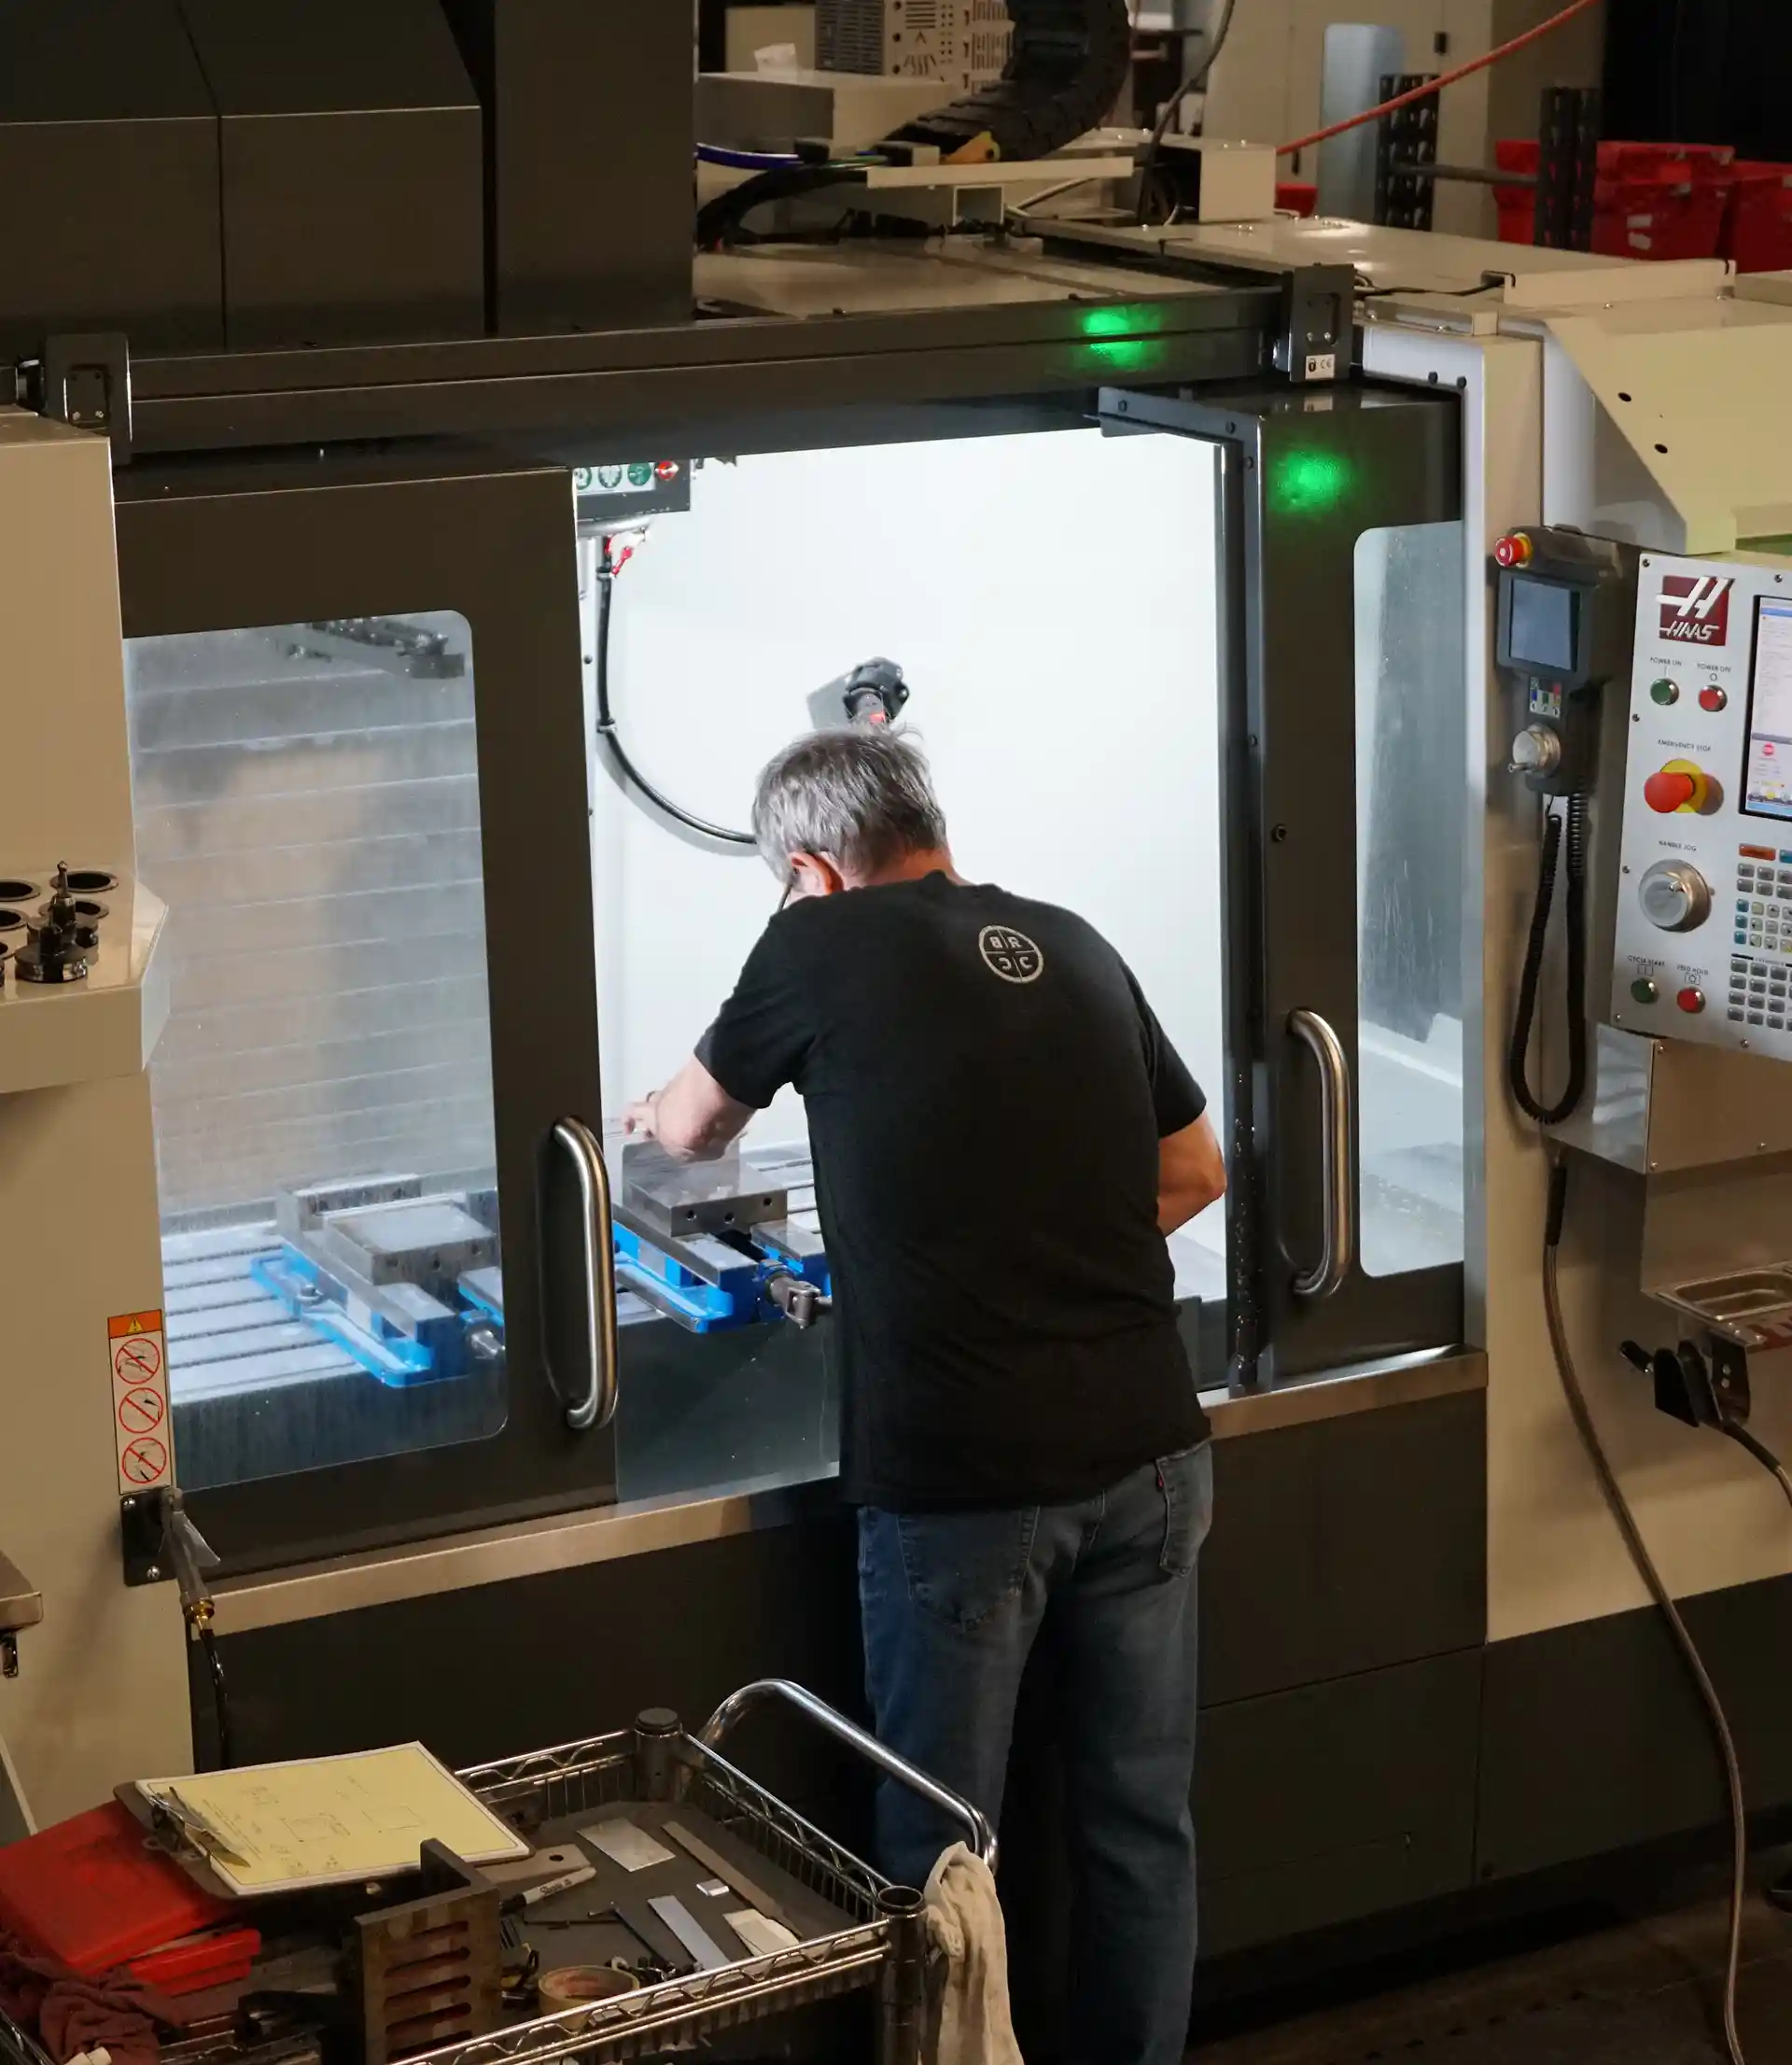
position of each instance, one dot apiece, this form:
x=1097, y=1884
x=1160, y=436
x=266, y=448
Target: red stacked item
x=1295, y=197
x=95, y=1917
x=1757, y=223
x=1650, y=201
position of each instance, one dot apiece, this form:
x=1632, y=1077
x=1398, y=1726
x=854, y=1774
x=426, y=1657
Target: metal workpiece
x=970, y=1819
x=1337, y=1172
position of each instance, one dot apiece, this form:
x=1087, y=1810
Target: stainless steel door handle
x=1338, y=1254
x=592, y=1402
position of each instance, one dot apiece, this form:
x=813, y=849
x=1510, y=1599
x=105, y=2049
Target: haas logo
x=1695, y=608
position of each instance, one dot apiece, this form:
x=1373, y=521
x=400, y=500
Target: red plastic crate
x=1758, y=221
x=1650, y=201
x=1295, y=197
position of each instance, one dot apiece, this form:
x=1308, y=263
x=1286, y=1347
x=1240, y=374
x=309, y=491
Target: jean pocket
x=1186, y=1481
x=964, y=1567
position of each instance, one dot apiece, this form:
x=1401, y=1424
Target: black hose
x=723, y=218
x=221, y=1698
x=1524, y=1018
x=613, y=741
x=1618, y=1506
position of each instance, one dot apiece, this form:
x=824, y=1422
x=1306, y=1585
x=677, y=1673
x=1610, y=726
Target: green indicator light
x=1125, y=354
x=640, y=476
x=1120, y=319
x=1644, y=991
x=1664, y=692
x=1308, y=483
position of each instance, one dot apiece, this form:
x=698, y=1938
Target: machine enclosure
x=109, y=216
x=275, y=173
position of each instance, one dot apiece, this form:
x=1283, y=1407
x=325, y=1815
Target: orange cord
x=1437, y=85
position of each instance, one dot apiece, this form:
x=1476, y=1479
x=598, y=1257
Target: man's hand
x=642, y=1117
x=1191, y=1173
x=693, y=1119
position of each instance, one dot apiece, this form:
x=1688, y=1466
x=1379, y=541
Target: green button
x=642, y=476
x=1665, y=692
x=1644, y=991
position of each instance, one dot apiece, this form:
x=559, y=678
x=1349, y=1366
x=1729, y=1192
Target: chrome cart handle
x=1338, y=1254
x=972, y=1820
x=596, y=1407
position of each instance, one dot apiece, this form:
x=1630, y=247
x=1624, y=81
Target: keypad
x=1760, y=992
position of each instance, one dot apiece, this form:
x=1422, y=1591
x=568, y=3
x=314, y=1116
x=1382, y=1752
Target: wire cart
x=882, y=1947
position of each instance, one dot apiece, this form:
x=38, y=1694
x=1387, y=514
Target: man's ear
x=816, y=876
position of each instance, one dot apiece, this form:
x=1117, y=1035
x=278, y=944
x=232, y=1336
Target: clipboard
x=317, y=1821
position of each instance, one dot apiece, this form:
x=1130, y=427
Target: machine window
x=1768, y=790
x=1411, y=741
x=307, y=802
x=1050, y=600
x=1541, y=626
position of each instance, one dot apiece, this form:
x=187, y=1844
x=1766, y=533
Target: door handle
x=1337, y=1253
x=592, y=1402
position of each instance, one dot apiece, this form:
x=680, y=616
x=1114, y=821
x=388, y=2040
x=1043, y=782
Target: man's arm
x=693, y=1119
x=1191, y=1173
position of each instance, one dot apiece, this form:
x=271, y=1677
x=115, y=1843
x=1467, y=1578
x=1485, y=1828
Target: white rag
x=968, y=2020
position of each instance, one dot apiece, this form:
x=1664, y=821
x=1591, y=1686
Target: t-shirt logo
x=1011, y=954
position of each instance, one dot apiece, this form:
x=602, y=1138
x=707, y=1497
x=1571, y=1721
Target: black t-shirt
x=987, y=1089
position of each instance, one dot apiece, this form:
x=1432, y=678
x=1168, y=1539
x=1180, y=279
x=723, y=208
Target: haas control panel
x=1703, y=943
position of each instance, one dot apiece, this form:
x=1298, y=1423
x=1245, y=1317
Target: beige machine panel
x=100, y=1694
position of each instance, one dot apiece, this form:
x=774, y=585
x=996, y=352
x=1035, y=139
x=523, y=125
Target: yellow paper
x=330, y=1821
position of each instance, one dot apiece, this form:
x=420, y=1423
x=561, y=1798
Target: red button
x=1667, y=792
x=1691, y=999
x=1713, y=698
x=1514, y=551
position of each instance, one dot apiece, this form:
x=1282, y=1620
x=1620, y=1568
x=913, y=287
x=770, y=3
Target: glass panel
x=307, y=802
x=1411, y=751
x=1051, y=601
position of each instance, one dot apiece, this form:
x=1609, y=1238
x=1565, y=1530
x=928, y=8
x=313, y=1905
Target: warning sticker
x=137, y=1350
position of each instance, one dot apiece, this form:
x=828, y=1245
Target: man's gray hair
x=862, y=796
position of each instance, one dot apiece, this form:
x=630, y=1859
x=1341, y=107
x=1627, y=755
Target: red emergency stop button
x=1670, y=790
x=1691, y=999
x=1713, y=698
x=1514, y=551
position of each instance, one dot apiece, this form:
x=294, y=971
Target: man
x=1003, y=1137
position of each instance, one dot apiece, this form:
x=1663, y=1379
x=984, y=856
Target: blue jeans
x=952, y=1602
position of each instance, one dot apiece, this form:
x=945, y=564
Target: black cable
x=220, y=1698
x=1524, y=1018
x=1762, y=1455
x=1639, y=1550
x=722, y=219
x=606, y=731
x=1192, y=84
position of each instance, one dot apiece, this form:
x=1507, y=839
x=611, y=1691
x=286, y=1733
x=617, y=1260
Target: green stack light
x=1310, y=482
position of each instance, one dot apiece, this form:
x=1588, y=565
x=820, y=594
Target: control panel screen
x=1767, y=784
x=1541, y=629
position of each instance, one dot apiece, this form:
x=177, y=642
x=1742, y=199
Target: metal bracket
x=140, y=1533
x=1318, y=333
x=85, y=380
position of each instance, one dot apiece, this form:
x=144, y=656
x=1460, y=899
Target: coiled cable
x=1524, y=1018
